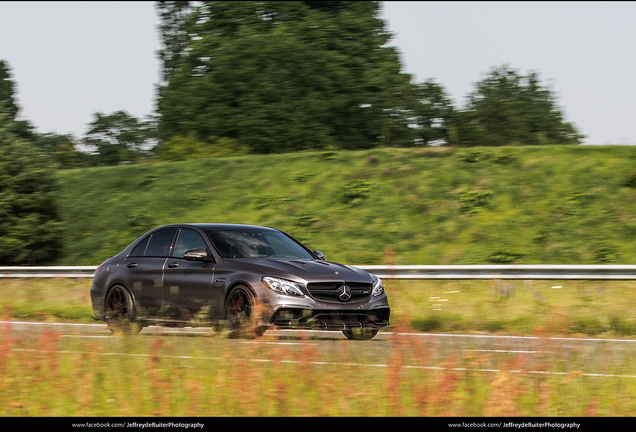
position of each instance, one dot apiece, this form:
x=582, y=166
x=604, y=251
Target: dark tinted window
x=255, y=243
x=159, y=245
x=187, y=240
x=140, y=248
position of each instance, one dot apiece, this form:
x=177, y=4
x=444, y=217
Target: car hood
x=308, y=270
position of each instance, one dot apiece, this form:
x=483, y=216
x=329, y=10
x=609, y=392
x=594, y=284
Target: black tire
x=360, y=334
x=241, y=315
x=119, y=311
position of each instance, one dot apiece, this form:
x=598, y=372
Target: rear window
x=155, y=245
x=140, y=249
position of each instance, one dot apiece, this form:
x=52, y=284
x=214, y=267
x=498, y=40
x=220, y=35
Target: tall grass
x=47, y=375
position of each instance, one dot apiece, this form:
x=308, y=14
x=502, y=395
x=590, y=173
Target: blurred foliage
x=183, y=148
x=433, y=114
x=30, y=230
x=9, y=107
x=472, y=201
x=282, y=76
x=276, y=77
x=556, y=204
x=318, y=80
x=474, y=155
x=119, y=137
x=508, y=108
x=289, y=76
x=60, y=150
x=173, y=16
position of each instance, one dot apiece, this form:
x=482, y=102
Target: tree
x=6, y=91
x=508, y=108
x=285, y=76
x=60, y=149
x=119, y=137
x=30, y=230
x=21, y=128
x=173, y=33
x=433, y=113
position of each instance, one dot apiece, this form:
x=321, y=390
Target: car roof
x=216, y=226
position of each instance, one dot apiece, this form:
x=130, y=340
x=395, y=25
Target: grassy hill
x=553, y=204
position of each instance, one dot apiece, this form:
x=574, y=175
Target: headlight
x=378, y=286
x=282, y=286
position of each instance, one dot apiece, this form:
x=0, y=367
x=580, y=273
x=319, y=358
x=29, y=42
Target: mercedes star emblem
x=344, y=292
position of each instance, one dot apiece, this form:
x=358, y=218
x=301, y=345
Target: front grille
x=340, y=319
x=290, y=314
x=328, y=291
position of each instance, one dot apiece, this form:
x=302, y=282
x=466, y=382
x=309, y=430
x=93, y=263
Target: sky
x=70, y=60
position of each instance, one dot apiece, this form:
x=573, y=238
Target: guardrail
x=512, y=271
x=48, y=272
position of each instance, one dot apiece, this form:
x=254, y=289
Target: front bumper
x=294, y=318
x=288, y=312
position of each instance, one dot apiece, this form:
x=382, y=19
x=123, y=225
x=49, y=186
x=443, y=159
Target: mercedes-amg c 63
x=251, y=277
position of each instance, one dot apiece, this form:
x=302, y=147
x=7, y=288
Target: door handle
x=132, y=265
x=173, y=264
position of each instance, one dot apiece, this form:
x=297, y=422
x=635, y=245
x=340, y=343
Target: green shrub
x=147, y=180
x=472, y=201
x=301, y=176
x=588, y=325
x=621, y=325
x=606, y=253
x=305, y=220
x=630, y=179
x=473, y=155
x=355, y=190
x=506, y=156
x=504, y=257
x=329, y=155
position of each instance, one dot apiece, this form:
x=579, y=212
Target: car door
x=188, y=290
x=144, y=269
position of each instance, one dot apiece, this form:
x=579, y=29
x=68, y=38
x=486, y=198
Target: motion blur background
x=420, y=132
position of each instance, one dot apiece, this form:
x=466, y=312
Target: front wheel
x=360, y=333
x=241, y=315
x=119, y=311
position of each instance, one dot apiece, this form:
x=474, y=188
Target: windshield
x=255, y=243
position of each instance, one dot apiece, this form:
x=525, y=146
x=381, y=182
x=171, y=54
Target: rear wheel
x=360, y=333
x=241, y=313
x=119, y=311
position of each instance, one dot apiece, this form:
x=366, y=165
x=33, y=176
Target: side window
x=160, y=242
x=140, y=249
x=187, y=240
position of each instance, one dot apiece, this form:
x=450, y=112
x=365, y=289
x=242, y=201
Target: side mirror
x=196, y=255
x=320, y=255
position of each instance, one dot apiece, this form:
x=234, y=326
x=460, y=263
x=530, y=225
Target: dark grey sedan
x=251, y=277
